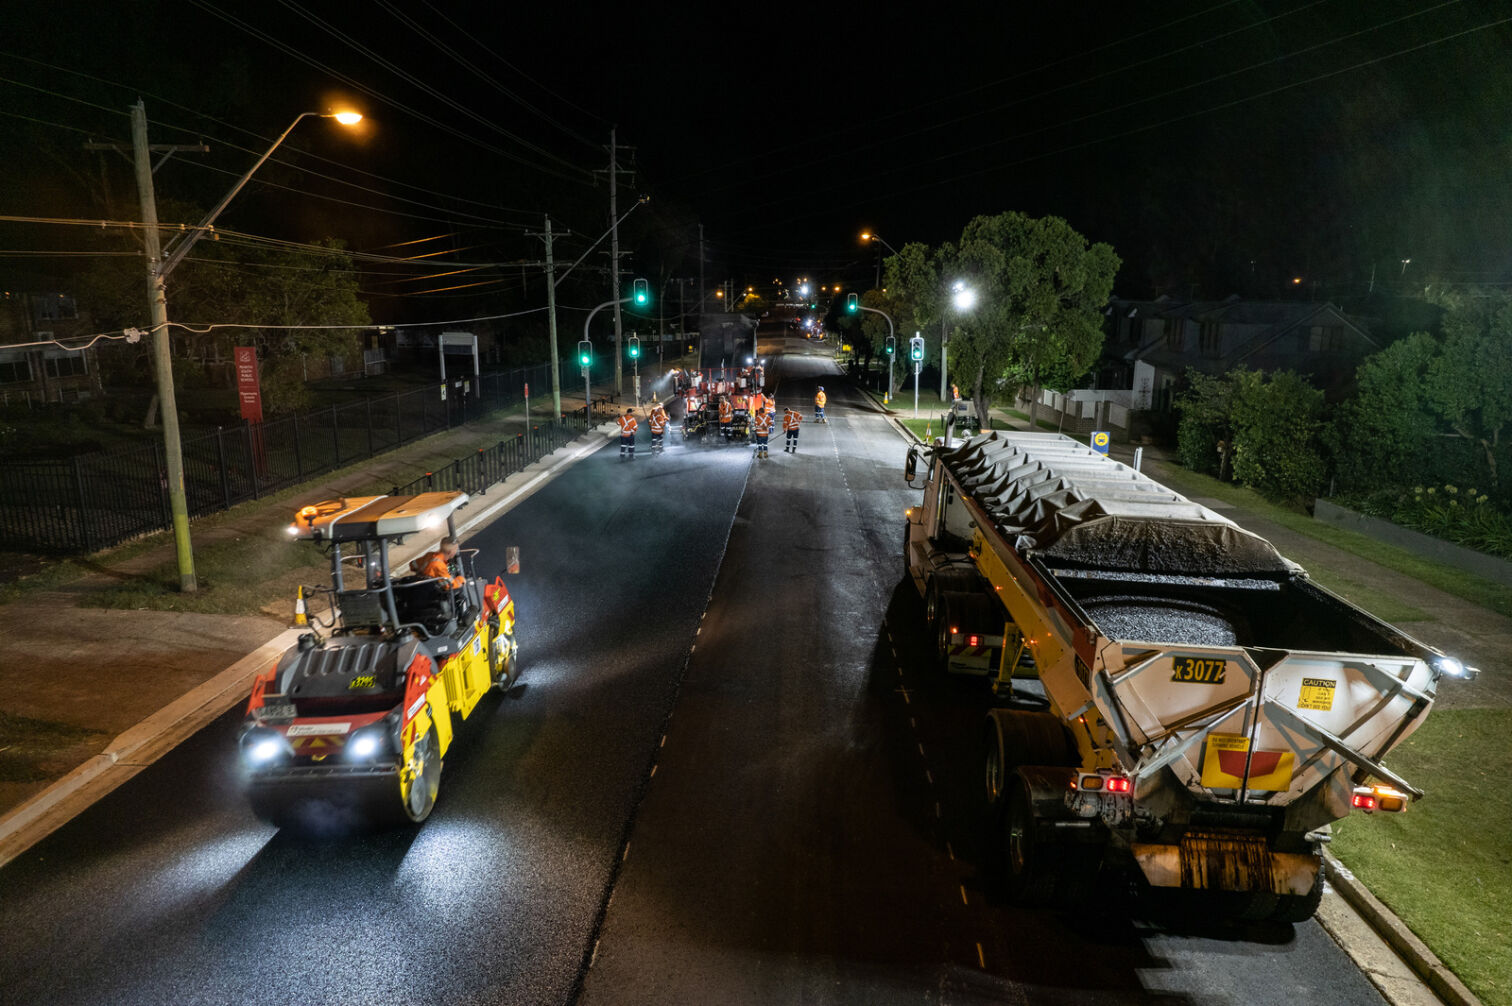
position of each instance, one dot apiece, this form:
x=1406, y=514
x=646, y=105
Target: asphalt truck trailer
x=1204, y=710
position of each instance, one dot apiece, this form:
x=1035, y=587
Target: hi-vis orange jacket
x=433, y=566
x=820, y=399
x=658, y=421
x=726, y=410
x=758, y=402
x=763, y=423
x=628, y=426
x=791, y=418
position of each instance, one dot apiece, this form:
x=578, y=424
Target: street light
x=963, y=298
x=158, y=269
x=874, y=236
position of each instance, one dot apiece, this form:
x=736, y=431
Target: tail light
x=973, y=640
x=1382, y=798
x=1118, y=784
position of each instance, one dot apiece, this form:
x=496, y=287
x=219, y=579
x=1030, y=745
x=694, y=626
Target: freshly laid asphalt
x=726, y=777
x=170, y=891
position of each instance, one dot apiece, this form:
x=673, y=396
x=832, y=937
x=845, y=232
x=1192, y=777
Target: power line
x=1122, y=134
x=582, y=176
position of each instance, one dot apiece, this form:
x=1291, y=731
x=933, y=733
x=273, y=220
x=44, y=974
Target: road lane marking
x=627, y=851
x=921, y=749
x=981, y=958
x=937, y=808
x=950, y=852
x=963, y=895
x=663, y=741
x=930, y=776
x=653, y=772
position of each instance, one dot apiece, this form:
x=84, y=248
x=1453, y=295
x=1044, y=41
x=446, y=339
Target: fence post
x=83, y=511
x=398, y=421
x=220, y=453
x=253, y=461
x=369, y=403
x=161, y=471
x=298, y=454
x=336, y=436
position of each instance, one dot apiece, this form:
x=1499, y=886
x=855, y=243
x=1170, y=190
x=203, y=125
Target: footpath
x=104, y=670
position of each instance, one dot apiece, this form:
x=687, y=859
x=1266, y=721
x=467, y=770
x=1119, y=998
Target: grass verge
x=27, y=746
x=1479, y=590
x=1445, y=867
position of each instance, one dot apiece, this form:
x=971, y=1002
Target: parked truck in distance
x=1203, y=711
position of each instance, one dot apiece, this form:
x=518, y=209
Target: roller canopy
x=1077, y=508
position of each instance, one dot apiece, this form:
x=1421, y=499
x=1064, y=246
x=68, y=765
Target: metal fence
x=83, y=504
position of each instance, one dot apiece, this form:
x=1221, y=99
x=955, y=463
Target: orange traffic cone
x=300, y=617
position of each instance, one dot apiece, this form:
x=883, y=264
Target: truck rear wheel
x=1032, y=865
x=1296, y=908
x=1015, y=737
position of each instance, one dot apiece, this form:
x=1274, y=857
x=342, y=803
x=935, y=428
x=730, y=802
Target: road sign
x=1100, y=441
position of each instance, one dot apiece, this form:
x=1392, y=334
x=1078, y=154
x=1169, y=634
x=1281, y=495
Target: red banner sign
x=248, y=391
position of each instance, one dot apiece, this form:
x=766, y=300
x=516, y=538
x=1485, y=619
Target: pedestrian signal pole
x=916, y=354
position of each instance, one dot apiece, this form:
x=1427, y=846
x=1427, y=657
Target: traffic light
x=640, y=293
x=916, y=348
x=585, y=353
x=852, y=304
x=892, y=344
x=635, y=347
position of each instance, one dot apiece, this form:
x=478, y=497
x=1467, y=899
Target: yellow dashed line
x=981, y=958
x=963, y=895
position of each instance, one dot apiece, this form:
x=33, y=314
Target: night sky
x=1221, y=147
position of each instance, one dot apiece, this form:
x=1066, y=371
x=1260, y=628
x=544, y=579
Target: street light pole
x=891, y=334
x=158, y=269
x=587, y=388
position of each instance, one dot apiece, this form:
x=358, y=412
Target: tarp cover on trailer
x=1077, y=508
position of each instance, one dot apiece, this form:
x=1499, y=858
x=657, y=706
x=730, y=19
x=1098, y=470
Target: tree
x=1277, y=420
x=1470, y=380
x=1264, y=428
x=1040, y=288
x=1206, y=408
x=275, y=287
x=1387, y=432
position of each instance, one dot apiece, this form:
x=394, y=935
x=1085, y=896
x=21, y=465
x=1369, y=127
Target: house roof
x=1278, y=318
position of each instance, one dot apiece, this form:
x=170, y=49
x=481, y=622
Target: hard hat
x=821, y=387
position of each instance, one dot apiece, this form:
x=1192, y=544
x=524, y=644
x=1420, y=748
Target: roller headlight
x=368, y=743
x=263, y=747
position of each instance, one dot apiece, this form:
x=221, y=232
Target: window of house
x=69, y=365
x=1207, y=338
x=16, y=370
x=1173, y=335
x=1325, y=338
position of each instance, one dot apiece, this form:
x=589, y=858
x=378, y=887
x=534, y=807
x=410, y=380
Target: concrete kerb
x=1444, y=983
x=152, y=738
x=1413, y=951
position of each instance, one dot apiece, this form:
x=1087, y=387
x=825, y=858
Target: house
x=1150, y=344
x=32, y=369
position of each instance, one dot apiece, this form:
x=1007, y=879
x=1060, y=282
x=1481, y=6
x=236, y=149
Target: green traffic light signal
x=585, y=353
x=634, y=347
x=640, y=292
x=851, y=304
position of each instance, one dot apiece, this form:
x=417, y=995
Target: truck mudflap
x=1225, y=861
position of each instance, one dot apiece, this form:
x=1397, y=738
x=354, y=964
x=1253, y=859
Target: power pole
x=556, y=375
x=614, y=260
x=701, y=294
x=162, y=353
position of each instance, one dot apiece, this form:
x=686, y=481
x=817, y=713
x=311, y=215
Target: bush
x=1466, y=517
